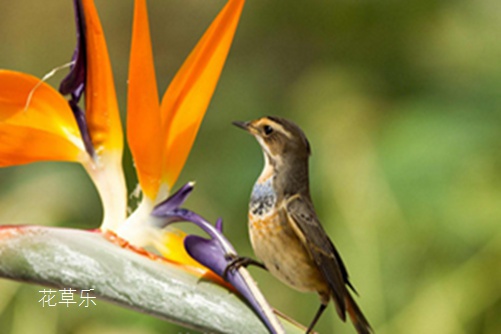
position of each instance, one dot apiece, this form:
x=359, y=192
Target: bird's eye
x=267, y=130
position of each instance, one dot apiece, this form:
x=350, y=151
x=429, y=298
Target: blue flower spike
x=216, y=253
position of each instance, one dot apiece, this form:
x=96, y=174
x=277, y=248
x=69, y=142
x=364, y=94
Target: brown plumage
x=284, y=229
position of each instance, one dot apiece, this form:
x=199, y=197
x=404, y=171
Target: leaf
x=67, y=258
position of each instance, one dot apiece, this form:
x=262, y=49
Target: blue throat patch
x=263, y=198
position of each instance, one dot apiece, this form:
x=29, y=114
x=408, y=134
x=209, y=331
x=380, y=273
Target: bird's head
x=280, y=139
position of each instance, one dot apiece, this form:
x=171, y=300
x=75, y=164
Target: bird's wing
x=301, y=216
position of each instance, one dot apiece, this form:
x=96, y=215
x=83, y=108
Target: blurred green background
x=402, y=106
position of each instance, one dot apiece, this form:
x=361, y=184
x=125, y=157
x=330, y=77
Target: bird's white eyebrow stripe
x=279, y=127
x=283, y=130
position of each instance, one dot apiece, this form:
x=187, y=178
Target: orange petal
x=100, y=101
x=143, y=107
x=188, y=96
x=37, y=127
x=22, y=145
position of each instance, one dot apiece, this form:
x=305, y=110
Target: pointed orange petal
x=143, y=107
x=188, y=96
x=37, y=127
x=101, y=103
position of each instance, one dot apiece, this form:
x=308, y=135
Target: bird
x=285, y=232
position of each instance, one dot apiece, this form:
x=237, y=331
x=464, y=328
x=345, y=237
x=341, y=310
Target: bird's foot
x=240, y=261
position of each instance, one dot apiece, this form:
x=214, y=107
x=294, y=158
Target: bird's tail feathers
x=356, y=316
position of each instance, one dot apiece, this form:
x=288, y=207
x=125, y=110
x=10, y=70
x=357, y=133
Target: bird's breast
x=278, y=247
x=263, y=198
x=276, y=244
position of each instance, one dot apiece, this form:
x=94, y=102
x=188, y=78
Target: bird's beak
x=242, y=125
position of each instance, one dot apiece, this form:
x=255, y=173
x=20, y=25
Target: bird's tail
x=357, y=317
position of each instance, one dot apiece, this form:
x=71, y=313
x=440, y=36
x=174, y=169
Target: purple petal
x=207, y=252
x=216, y=253
x=174, y=201
x=219, y=225
x=184, y=215
x=74, y=82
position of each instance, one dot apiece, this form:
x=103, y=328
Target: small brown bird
x=284, y=229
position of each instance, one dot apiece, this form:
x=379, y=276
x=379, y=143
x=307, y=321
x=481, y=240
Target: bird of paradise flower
x=37, y=123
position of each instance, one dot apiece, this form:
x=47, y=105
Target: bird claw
x=239, y=261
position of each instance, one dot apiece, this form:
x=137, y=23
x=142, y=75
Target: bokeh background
x=401, y=101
